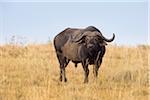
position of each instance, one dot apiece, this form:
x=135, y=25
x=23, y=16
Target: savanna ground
x=32, y=73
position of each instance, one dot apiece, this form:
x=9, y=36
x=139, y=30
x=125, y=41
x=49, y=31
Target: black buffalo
x=86, y=46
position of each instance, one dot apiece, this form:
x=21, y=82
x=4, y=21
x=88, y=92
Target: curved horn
x=79, y=38
x=107, y=40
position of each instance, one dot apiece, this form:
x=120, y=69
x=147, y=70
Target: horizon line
x=72, y=1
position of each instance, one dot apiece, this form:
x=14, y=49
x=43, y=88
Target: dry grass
x=32, y=72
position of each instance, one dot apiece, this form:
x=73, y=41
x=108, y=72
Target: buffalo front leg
x=96, y=67
x=86, y=73
x=95, y=70
x=86, y=70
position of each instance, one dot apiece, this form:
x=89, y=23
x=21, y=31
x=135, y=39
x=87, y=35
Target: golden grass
x=32, y=73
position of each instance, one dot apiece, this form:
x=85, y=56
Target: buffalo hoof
x=65, y=80
x=86, y=81
x=60, y=79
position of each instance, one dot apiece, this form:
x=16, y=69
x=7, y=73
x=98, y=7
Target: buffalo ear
x=103, y=44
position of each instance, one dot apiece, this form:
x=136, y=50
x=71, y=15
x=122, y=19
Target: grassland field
x=32, y=73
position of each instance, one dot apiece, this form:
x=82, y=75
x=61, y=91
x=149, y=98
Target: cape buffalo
x=86, y=46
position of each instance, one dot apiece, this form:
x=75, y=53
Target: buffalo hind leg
x=86, y=70
x=63, y=63
x=60, y=78
x=63, y=69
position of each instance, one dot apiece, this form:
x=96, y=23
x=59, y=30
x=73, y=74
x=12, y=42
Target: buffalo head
x=92, y=38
